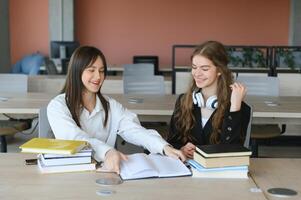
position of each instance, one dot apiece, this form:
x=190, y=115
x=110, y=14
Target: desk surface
x=279, y=106
x=30, y=103
x=277, y=109
x=25, y=182
x=274, y=172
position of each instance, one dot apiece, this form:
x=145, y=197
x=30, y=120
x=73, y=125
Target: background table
x=160, y=107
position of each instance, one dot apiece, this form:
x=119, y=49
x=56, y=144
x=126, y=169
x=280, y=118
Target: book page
x=137, y=166
x=168, y=167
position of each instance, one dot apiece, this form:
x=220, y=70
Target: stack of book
x=57, y=156
x=220, y=161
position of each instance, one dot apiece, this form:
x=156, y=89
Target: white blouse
x=120, y=121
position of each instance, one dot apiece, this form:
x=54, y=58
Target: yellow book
x=55, y=146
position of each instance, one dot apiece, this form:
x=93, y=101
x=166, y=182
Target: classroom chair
x=262, y=86
x=143, y=85
x=50, y=66
x=44, y=126
x=148, y=59
x=12, y=83
x=141, y=69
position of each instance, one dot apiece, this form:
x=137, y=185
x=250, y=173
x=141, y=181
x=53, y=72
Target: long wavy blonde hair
x=184, y=119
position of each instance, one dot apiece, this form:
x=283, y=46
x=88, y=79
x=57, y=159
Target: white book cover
x=146, y=166
x=83, y=152
x=231, y=174
x=65, y=168
x=65, y=160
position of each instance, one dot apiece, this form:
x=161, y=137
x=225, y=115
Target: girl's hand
x=174, y=153
x=238, y=94
x=188, y=150
x=112, y=160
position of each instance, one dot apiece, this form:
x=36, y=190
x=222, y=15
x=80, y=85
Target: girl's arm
x=130, y=130
x=236, y=119
x=173, y=134
x=64, y=127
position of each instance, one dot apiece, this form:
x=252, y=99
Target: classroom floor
x=276, y=149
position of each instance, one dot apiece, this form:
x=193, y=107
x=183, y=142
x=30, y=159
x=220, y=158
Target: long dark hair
x=184, y=119
x=82, y=58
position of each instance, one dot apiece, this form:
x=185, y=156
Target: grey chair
x=148, y=59
x=141, y=69
x=248, y=134
x=262, y=86
x=44, y=126
x=15, y=83
x=12, y=83
x=50, y=66
x=143, y=85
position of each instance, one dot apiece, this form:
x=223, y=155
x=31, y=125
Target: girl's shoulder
x=58, y=103
x=58, y=100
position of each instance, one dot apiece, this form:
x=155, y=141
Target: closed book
x=65, y=168
x=54, y=146
x=221, y=161
x=150, y=166
x=238, y=174
x=222, y=150
x=198, y=171
x=65, y=160
x=82, y=153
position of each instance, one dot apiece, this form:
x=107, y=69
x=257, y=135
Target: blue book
x=235, y=172
x=200, y=168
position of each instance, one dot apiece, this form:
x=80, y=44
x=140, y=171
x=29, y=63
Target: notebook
x=149, y=166
x=54, y=146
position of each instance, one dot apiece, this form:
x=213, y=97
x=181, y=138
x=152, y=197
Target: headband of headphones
x=198, y=99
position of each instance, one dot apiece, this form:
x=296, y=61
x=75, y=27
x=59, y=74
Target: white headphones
x=198, y=99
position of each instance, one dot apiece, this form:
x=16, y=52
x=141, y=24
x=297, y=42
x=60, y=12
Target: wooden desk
x=28, y=103
x=286, y=110
x=25, y=182
x=55, y=83
x=275, y=172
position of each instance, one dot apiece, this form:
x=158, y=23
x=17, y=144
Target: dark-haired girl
x=82, y=112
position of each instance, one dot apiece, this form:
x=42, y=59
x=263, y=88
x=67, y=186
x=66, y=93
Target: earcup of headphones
x=212, y=102
x=198, y=99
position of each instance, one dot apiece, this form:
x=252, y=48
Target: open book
x=146, y=166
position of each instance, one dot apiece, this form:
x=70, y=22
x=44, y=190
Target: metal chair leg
x=3, y=144
x=254, y=146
